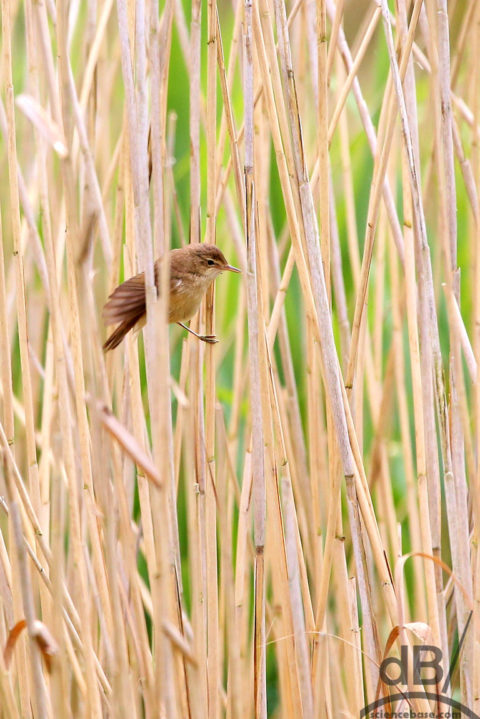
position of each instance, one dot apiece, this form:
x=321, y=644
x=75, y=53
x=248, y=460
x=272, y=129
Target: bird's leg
x=211, y=339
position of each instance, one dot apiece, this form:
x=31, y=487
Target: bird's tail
x=117, y=335
x=126, y=305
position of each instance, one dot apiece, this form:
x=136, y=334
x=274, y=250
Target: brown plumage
x=192, y=270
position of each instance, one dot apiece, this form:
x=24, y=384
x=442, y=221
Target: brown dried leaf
x=47, y=644
x=129, y=444
x=40, y=632
x=13, y=635
x=421, y=630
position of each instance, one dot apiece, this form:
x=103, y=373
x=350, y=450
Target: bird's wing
x=127, y=301
x=177, y=285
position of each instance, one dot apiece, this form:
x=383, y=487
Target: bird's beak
x=230, y=268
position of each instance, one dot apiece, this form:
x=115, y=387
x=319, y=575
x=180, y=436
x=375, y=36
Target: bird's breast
x=185, y=297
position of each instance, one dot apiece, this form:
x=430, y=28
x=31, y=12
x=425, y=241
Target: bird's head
x=209, y=260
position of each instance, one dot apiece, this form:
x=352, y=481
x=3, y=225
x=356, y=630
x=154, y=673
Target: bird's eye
x=210, y=262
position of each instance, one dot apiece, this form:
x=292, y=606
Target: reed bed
x=246, y=529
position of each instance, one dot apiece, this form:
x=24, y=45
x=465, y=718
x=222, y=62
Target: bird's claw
x=210, y=339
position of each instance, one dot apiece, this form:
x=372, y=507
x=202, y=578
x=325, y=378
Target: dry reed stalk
x=299, y=611
x=455, y=490
x=213, y=641
x=255, y=336
x=196, y=425
x=7, y=390
x=475, y=102
x=322, y=110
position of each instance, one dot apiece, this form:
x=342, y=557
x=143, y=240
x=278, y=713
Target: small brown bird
x=192, y=270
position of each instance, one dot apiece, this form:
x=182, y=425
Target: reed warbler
x=192, y=271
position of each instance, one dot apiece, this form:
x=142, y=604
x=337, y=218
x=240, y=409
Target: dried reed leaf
x=128, y=443
x=44, y=123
